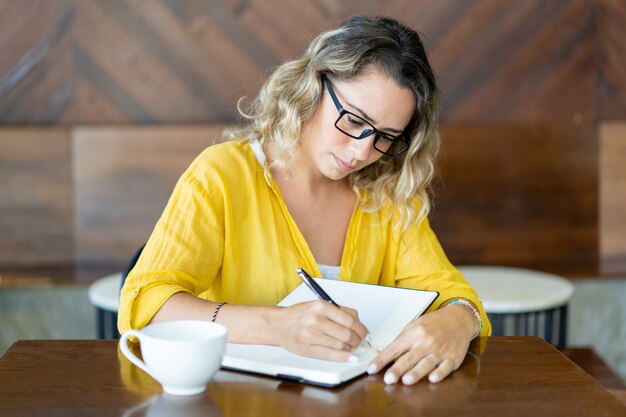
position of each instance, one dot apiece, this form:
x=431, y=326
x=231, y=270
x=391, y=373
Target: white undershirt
x=257, y=149
x=328, y=271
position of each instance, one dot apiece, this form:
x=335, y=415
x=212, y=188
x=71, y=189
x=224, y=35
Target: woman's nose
x=361, y=148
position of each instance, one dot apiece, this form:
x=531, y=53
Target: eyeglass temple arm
x=332, y=94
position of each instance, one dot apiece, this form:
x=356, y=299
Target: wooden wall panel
x=612, y=200
x=189, y=61
x=500, y=63
x=35, y=197
x=611, y=72
x=519, y=195
x=123, y=177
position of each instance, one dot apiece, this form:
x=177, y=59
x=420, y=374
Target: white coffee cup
x=181, y=355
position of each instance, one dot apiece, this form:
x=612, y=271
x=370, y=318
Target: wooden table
x=595, y=366
x=501, y=376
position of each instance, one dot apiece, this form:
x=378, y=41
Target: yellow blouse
x=226, y=235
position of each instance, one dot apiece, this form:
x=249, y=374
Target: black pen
x=319, y=291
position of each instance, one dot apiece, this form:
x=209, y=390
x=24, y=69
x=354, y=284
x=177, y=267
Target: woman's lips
x=344, y=166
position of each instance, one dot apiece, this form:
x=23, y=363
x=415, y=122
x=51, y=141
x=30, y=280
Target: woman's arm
x=315, y=329
x=436, y=343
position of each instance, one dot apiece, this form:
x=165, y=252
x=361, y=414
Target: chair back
x=131, y=265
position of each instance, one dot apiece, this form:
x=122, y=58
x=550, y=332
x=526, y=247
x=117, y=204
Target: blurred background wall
x=103, y=103
x=534, y=93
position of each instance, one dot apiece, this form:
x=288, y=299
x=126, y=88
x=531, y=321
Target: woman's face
x=372, y=96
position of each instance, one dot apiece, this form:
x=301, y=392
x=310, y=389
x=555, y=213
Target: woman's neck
x=303, y=173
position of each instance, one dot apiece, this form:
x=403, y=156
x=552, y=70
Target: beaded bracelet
x=470, y=307
x=217, y=309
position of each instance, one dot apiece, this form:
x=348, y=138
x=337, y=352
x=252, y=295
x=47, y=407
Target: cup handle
x=128, y=353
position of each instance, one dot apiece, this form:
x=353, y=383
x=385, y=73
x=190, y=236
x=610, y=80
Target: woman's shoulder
x=224, y=162
x=231, y=151
x=233, y=155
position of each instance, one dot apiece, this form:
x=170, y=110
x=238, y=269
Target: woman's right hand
x=319, y=329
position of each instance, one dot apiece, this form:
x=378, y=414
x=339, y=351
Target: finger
x=319, y=329
x=346, y=318
x=358, y=326
x=386, y=356
x=410, y=366
x=444, y=369
x=342, y=335
x=329, y=342
x=326, y=353
x=412, y=371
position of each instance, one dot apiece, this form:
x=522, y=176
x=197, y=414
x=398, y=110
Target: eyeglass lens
x=359, y=128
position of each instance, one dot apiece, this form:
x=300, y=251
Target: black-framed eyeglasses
x=358, y=128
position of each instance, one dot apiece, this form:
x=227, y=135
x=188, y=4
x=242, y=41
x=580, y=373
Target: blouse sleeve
x=183, y=254
x=422, y=264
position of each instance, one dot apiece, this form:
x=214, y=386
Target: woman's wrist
x=471, y=311
x=247, y=324
x=270, y=317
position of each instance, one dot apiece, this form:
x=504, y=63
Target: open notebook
x=385, y=311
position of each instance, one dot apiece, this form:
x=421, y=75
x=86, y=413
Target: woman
x=331, y=175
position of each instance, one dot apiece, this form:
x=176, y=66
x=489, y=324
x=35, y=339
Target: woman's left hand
x=435, y=344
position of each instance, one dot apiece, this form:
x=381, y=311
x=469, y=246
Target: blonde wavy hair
x=292, y=93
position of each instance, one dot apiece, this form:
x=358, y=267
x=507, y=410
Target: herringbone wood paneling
x=166, y=61
x=36, y=67
x=509, y=61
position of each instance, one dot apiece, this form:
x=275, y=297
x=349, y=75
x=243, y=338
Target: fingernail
x=372, y=369
x=408, y=379
x=390, y=378
x=368, y=338
x=353, y=358
x=433, y=377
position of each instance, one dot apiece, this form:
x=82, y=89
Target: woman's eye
x=355, y=122
x=387, y=138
